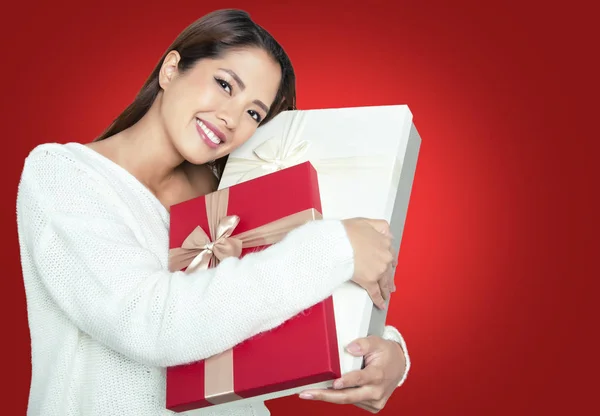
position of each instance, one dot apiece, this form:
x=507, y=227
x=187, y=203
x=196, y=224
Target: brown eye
x=224, y=85
x=255, y=116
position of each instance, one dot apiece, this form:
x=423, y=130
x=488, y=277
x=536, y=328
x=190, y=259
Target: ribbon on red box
x=202, y=251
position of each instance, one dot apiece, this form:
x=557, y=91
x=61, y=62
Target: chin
x=191, y=154
x=201, y=155
x=197, y=160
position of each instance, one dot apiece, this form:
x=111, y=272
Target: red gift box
x=235, y=221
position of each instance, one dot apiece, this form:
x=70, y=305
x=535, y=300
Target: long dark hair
x=210, y=37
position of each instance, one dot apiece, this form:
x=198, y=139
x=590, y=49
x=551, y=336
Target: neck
x=145, y=150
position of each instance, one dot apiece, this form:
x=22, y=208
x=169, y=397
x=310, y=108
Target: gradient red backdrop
x=491, y=294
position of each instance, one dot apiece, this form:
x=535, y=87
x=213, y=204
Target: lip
x=214, y=129
x=205, y=138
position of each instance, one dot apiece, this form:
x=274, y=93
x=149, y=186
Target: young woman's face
x=216, y=106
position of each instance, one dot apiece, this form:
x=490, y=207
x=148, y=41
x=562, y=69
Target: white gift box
x=365, y=158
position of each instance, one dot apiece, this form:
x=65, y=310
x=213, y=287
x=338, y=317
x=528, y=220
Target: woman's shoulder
x=64, y=182
x=71, y=160
x=63, y=169
x=72, y=153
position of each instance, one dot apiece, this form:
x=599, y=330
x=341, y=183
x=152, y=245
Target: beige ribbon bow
x=200, y=251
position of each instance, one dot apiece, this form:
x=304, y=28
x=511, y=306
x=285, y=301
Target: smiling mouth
x=208, y=132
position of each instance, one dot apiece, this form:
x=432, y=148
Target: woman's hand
x=371, y=387
x=374, y=258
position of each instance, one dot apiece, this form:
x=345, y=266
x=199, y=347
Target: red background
x=493, y=298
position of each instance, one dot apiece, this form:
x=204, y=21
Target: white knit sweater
x=105, y=314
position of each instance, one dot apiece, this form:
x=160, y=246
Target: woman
x=106, y=316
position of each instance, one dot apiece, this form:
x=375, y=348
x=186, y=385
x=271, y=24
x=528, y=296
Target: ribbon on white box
x=290, y=149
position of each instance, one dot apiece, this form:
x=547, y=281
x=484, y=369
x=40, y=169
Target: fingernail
x=338, y=384
x=353, y=348
x=306, y=396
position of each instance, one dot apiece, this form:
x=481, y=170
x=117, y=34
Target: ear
x=168, y=70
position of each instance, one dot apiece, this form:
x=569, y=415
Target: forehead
x=259, y=72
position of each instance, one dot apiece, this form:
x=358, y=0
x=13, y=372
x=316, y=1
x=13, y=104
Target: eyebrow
x=239, y=81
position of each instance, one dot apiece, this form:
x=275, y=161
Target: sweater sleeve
x=392, y=334
x=112, y=287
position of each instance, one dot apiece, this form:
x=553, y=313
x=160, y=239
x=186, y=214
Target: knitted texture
x=392, y=334
x=105, y=314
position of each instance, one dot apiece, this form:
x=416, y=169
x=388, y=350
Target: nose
x=229, y=114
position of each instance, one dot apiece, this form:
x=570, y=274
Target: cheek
x=170, y=104
x=177, y=109
x=204, y=95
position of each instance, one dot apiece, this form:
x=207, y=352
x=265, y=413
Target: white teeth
x=212, y=137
